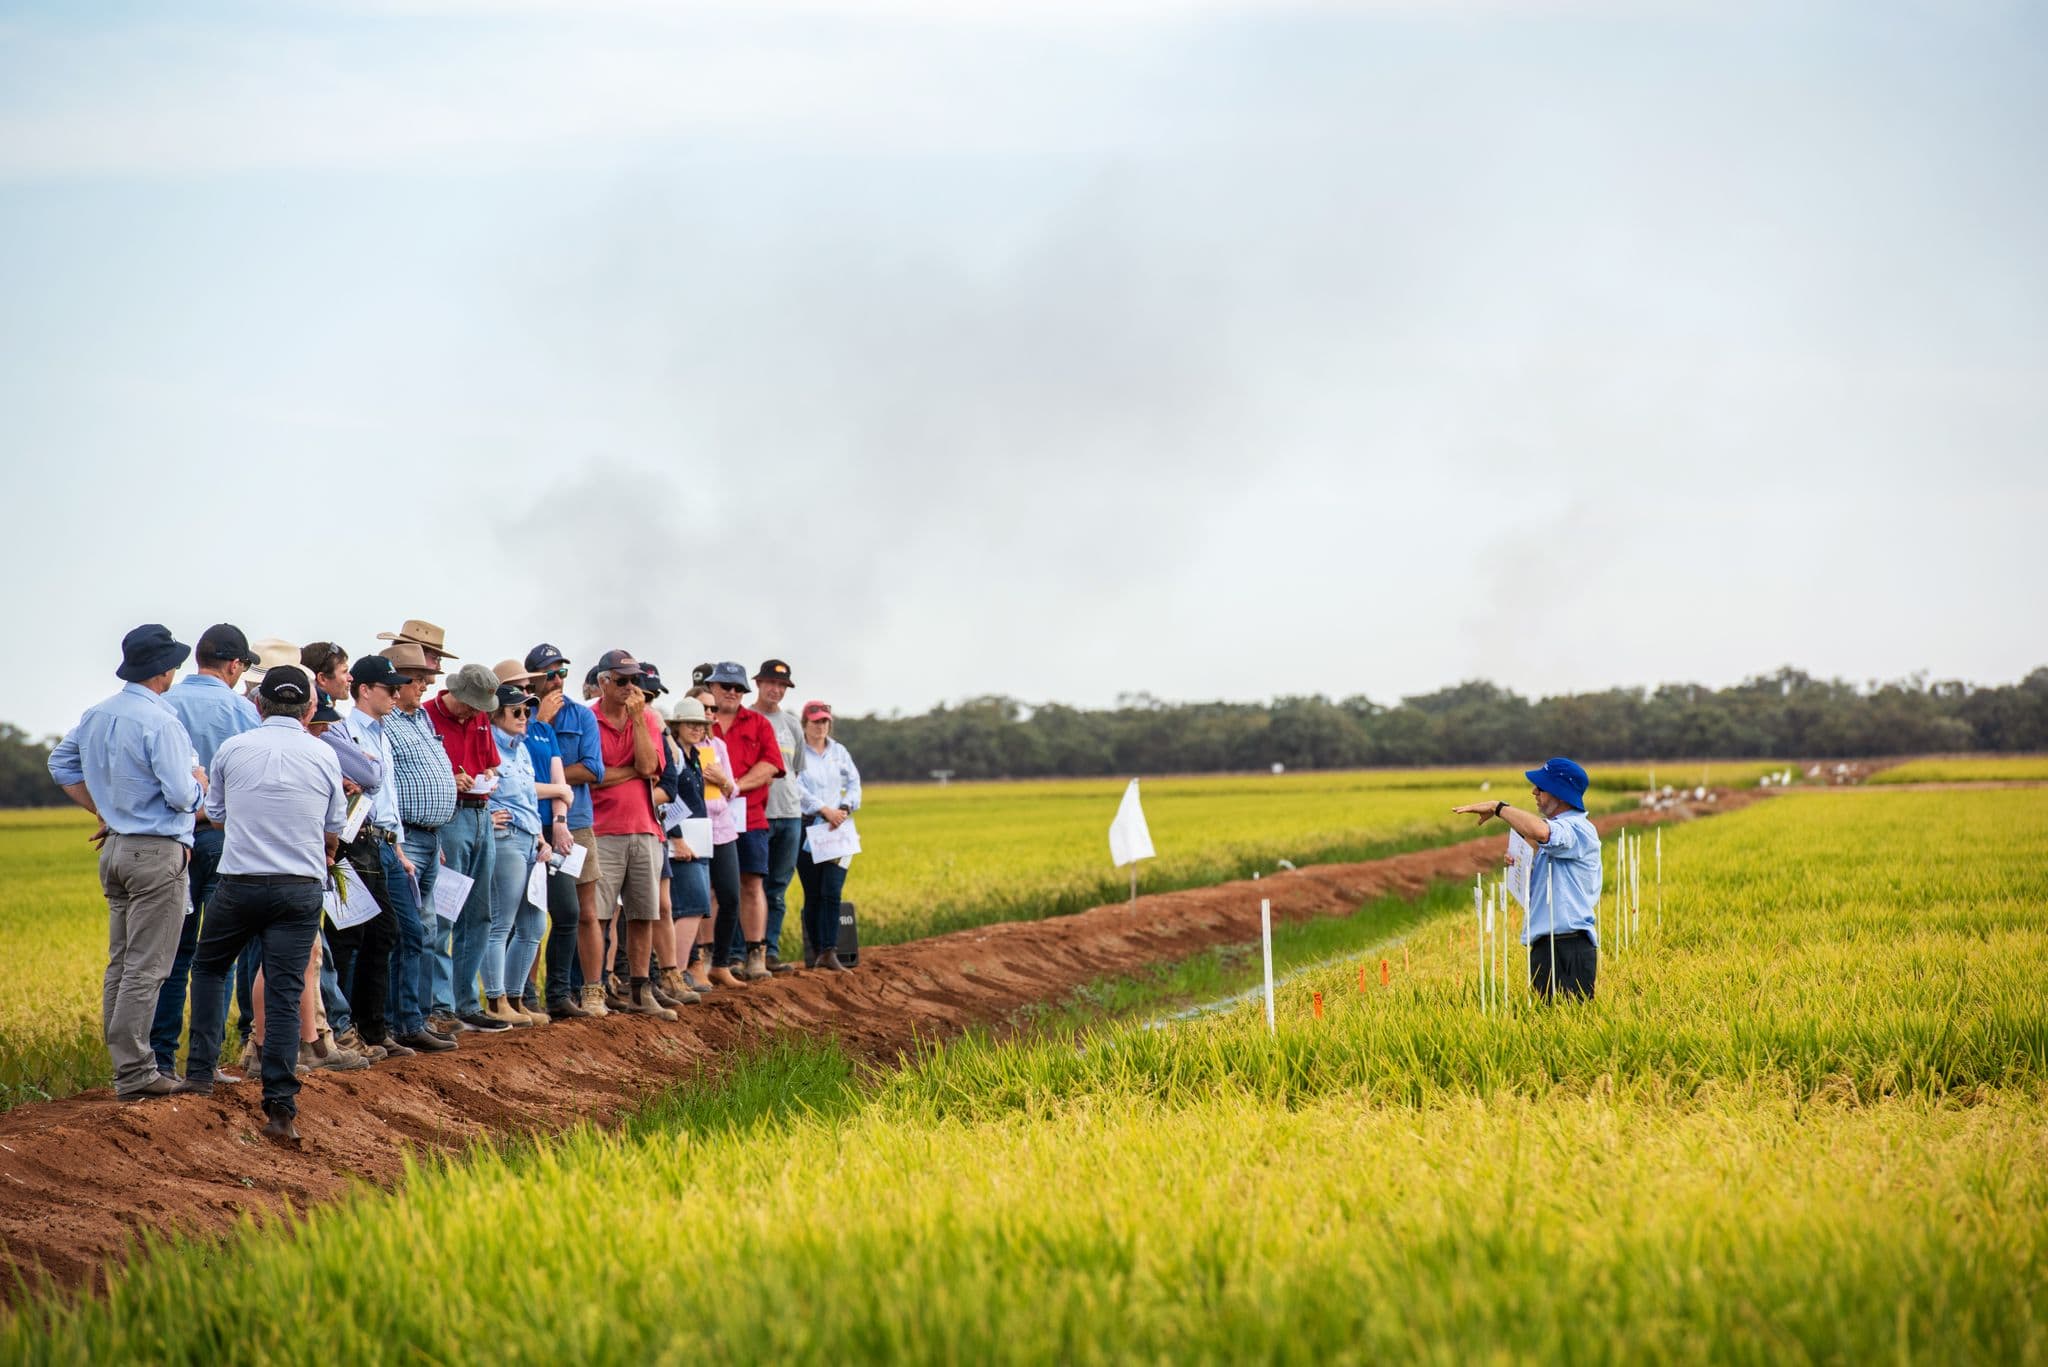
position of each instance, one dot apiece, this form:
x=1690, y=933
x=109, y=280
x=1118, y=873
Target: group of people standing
x=229, y=799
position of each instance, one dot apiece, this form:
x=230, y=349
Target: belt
x=269, y=880
x=471, y=801
x=378, y=833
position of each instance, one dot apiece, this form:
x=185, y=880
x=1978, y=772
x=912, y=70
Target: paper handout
x=696, y=833
x=537, y=884
x=736, y=808
x=451, y=890
x=1129, y=838
x=359, y=906
x=570, y=865
x=356, y=816
x=482, y=787
x=829, y=842
x=1517, y=873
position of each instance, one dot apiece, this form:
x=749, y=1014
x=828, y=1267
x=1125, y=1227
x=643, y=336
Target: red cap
x=817, y=709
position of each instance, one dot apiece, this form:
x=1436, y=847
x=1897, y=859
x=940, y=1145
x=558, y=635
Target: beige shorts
x=591, y=863
x=632, y=873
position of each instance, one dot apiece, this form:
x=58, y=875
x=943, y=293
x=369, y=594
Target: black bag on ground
x=848, y=947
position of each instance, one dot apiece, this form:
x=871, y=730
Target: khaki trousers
x=143, y=877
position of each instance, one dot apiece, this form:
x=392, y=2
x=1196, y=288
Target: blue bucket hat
x=148, y=651
x=730, y=672
x=1562, y=779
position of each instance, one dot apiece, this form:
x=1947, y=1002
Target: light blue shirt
x=514, y=793
x=1567, y=866
x=211, y=711
x=133, y=756
x=371, y=740
x=829, y=780
x=276, y=791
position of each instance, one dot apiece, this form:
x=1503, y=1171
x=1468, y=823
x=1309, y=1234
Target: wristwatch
x=1498, y=806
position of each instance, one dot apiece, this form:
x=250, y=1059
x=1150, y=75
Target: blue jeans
x=339, y=1017
x=423, y=847
x=169, y=1026
x=409, y=988
x=515, y=922
x=785, y=838
x=467, y=843
x=284, y=917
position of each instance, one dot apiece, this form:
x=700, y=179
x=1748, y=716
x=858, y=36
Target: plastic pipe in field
x=1266, y=941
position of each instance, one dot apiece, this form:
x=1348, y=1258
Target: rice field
x=1969, y=769
x=1805, y=1120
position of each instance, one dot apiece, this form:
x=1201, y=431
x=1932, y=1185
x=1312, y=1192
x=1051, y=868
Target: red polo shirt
x=751, y=740
x=623, y=808
x=471, y=748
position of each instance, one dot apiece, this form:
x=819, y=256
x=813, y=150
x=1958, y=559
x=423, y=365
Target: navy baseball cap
x=544, y=657
x=618, y=662
x=224, y=641
x=287, y=684
x=375, y=669
x=1562, y=779
x=650, y=679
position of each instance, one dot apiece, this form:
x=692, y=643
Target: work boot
x=618, y=993
x=427, y=1042
x=501, y=1009
x=566, y=1008
x=678, y=990
x=251, y=1062
x=810, y=957
x=661, y=992
x=828, y=962
x=643, y=1001
x=725, y=977
x=337, y=1058
x=777, y=967
x=533, y=1013
x=278, y=1127
x=352, y=1038
x=393, y=1049
x=593, y=1001
x=756, y=968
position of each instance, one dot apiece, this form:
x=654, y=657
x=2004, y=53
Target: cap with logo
x=512, y=695
x=650, y=679
x=701, y=675
x=411, y=658
x=223, y=642
x=776, y=670
x=619, y=663
x=814, y=708
x=544, y=657
x=325, y=711
x=475, y=686
x=375, y=669
x=728, y=672
x=424, y=634
x=287, y=684
x=148, y=651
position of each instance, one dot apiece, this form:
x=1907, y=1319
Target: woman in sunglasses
x=515, y=820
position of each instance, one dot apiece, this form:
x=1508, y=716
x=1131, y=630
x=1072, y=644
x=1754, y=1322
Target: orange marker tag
x=1319, y=1006
x=1404, y=958
x=1361, y=977
x=1383, y=972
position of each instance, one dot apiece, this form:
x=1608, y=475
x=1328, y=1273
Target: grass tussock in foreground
x=1805, y=1123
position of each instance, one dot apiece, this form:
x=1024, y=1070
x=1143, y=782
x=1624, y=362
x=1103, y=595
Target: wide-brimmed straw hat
x=421, y=634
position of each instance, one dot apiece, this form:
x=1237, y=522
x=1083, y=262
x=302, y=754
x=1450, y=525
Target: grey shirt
x=785, y=795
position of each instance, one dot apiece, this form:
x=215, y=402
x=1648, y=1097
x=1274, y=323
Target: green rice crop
x=1804, y=1120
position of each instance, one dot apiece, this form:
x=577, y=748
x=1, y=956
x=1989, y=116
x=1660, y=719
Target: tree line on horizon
x=1786, y=715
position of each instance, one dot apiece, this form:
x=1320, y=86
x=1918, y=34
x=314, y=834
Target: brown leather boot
x=756, y=968
x=828, y=962
x=725, y=977
x=677, y=990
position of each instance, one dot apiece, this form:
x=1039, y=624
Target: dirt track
x=80, y=1176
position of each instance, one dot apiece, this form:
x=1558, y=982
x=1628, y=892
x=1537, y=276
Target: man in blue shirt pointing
x=1564, y=881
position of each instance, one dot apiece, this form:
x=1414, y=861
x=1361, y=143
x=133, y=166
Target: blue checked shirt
x=211, y=711
x=133, y=756
x=426, y=781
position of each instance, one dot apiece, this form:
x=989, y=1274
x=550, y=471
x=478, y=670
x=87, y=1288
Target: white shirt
x=276, y=792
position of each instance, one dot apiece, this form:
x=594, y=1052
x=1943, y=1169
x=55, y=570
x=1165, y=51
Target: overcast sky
x=1057, y=350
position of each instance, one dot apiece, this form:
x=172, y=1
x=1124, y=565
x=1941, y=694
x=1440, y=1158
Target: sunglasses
x=730, y=688
x=556, y=674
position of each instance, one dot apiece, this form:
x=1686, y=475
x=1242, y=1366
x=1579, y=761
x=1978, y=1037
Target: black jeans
x=1578, y=964
x=284, y=918
x=822, y=885
x=725, y=891
x=362, y=953
x=563, y=911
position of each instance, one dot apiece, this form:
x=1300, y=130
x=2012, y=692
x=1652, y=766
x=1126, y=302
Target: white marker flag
x=1129, y=838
